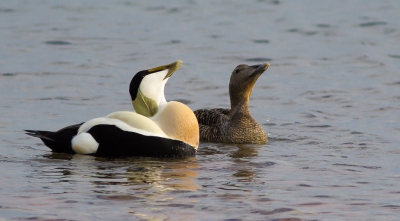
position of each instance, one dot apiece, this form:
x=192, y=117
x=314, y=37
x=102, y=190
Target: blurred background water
x=330, y=102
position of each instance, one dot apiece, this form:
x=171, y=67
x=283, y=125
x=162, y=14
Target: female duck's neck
x=240, y=106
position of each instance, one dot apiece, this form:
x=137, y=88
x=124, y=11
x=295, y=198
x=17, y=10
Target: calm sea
x=330, y=102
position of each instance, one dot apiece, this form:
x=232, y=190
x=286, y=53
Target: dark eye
x=237, y=71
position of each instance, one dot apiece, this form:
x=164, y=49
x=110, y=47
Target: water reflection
x=146, y=173
x=242, y=155
x=244, y=171
x=235, y=151
x=245, y=150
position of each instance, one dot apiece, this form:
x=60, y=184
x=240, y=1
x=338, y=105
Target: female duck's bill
x=157, y=128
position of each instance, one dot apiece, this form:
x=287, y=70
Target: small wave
x=394, y=56
x=360, y=166
x=373, y=23
x=56, y=42
x=318, y=126
x=8, y=74
x=6, y=10
x=275, y=211
x=258, y=59
x=323, y=25
x=261, y=41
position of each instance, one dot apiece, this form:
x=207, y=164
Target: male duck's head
x=147, y=88
x=242, y=81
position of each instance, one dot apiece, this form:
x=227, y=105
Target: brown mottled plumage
x=235, y=125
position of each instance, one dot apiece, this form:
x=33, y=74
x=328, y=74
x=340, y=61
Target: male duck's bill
x=170, y=67
x=157, y=128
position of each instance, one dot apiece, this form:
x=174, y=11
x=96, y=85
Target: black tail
x=40, y=134
x=59, y=141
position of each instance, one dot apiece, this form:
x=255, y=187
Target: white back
x=116, y=122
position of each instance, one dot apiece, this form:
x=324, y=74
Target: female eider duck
x=158, y=128
x=235, y=125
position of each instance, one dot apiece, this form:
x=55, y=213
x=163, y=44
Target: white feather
x=121, y=125
x=84, y=143
x=152, y=86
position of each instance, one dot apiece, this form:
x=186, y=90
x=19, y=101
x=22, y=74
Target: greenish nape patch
x=144, y=105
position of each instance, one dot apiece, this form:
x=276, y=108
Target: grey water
x=330, y=102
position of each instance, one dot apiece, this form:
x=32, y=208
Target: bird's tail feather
x=40, y=134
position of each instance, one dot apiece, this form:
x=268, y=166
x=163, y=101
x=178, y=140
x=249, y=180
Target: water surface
x=330, y=102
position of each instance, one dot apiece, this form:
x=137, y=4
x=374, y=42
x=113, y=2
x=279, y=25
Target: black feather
x=59, y=141
x=116, y=142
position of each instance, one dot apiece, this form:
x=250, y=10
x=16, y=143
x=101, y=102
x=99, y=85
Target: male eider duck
x=158, y=128
x=235, y=125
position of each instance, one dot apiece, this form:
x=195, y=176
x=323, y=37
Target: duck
x=156, y=128
x=234, y=125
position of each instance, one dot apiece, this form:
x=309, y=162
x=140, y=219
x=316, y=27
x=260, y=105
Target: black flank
x=116, y=142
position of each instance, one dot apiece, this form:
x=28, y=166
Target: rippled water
x=330, y=102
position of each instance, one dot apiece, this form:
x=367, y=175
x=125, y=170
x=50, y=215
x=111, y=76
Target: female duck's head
x=242, y=81
x=147, y=88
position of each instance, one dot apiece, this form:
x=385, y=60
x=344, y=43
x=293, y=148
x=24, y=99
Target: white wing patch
x=84, y=143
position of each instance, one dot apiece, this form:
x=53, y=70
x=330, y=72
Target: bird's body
x=235, y=125
x=156, y=127
x=217, y=125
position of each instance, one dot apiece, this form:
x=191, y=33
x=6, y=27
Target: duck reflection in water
x=242, y=157
x=240, y=154
x=245, y=150
x=146, y=173
x=172, y=174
